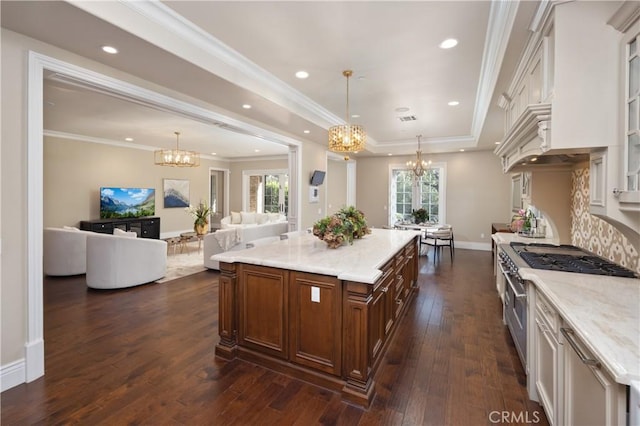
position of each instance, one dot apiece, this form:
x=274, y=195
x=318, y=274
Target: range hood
x=528, y=144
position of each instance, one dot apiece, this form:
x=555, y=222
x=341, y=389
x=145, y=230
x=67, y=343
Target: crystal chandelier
x=177, y=157
x=419, y=166
x=346, y=138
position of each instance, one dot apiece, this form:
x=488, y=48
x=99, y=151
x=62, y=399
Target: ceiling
x=220, y=55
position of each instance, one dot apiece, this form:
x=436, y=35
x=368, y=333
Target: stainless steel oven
x=515, y=301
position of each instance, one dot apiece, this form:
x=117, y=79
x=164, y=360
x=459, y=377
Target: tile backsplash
x=594, y=234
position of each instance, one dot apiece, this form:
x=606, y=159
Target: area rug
x=182, y=264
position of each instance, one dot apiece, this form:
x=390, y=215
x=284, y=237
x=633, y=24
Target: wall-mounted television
x=127, y=202
x=317, y=177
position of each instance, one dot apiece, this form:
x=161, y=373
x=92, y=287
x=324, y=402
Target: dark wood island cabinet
x=321, y=315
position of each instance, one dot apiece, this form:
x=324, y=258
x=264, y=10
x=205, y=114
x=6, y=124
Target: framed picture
x=176, y=193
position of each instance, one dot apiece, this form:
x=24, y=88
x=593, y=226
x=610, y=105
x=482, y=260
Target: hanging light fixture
x=419, y=166
x=346, y=138
x=177, y=157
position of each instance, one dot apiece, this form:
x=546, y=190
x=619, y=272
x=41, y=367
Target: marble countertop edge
x=307, y=253
x=622, y=362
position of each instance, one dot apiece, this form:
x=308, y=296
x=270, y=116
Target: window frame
x=416, y=193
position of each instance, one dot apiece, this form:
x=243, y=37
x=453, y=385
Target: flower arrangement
x=420, y=216
x=201, y=215
x=346, y=225
x=521, y=221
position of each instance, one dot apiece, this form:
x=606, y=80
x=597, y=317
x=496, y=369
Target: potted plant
x=201, y=215
x=420, y=216
x=346, y=225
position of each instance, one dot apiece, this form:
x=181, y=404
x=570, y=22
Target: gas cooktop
x=568, y=258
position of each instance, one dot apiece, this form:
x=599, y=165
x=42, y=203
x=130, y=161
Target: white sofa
x=248, y=219
x=65, y=251
x=236, y=236
x=118, y=261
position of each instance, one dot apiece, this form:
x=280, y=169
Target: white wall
x=336, y=185
x=74, y=171
x=477, y=193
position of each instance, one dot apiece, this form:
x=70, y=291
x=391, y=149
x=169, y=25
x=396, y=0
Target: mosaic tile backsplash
x=594, y=234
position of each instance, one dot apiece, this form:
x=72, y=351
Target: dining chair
x=439, y=238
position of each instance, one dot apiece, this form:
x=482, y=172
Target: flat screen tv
x=127, y=202
x=317, y=177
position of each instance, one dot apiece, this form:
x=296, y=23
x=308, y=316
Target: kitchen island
x=321, y=315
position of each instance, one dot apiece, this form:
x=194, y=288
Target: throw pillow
x=262, y=218
x=120, y=233
x=236, y=218
x=274, y=217
x=70, y=228
x=248, y=218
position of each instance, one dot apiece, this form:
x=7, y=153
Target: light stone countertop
x=507, y=237
x=603, y=311
x=358, y=262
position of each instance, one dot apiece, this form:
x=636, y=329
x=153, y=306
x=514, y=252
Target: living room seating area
x=109, y=261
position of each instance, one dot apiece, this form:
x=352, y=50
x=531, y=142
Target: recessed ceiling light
x=461, y=149
x=534, y=159
x=453, y=103
x=214, y=153
x=307, y=131
x=256, y=150
x=128, y=139
x=402, y=109
x=109, y=49
x=497, y=143
x=389, y=154
x=302, y=75
x=355, y=115
x=448, y=43
x=246, y=106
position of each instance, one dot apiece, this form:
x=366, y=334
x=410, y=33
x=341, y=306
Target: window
x=276, y=194
x=408, y=193
x=266, y=191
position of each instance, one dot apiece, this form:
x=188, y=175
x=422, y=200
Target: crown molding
x=170, y=31
x=119, y=144
x=501, y=18
x=625, y=16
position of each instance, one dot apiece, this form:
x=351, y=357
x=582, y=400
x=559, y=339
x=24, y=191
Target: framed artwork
x=176, y=193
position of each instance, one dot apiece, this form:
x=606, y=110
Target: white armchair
x=64, y=251
x=118, y=262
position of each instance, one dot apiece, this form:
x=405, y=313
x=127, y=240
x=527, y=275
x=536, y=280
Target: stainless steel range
x=564, y=258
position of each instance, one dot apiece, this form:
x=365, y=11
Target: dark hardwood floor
x=145, y=356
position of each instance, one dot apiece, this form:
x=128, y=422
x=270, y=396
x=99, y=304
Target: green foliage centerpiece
x=200, y=213
x=344, y=226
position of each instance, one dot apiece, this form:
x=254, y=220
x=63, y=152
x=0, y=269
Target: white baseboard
x=34, y=352
x=472, y=245
x=12, y=374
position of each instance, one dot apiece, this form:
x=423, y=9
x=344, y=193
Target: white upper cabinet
x=630, y=47
x=575, y=99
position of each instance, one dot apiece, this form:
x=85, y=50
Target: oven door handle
x=518, y=295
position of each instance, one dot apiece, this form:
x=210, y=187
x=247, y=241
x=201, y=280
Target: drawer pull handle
x=568, y=334
x=385, y=289
x=543, y=327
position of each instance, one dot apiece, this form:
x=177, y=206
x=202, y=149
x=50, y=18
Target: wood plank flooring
x=145, y=356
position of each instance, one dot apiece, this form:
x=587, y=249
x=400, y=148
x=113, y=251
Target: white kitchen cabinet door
x=546, y=371
x=590, y=397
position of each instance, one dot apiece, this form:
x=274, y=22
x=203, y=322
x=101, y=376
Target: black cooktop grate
x=581, y=264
